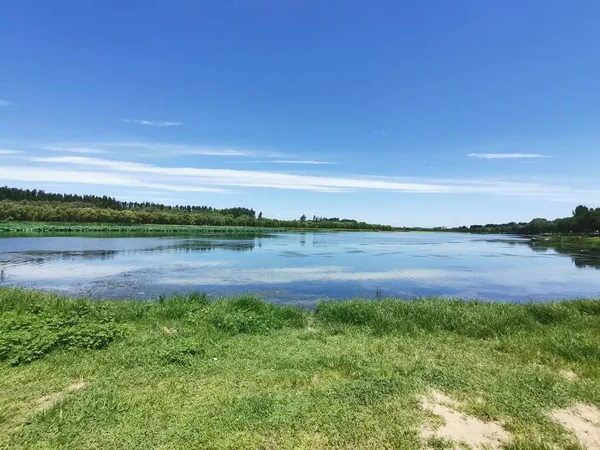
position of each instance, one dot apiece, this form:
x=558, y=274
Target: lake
x=301, y=268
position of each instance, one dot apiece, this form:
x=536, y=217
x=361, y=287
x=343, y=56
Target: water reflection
x=286, y=267
x=199, y=246
x=583, y=258
x=38, y=257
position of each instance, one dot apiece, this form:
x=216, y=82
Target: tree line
x=35, y=195
x=583, y=220
x=24, y=205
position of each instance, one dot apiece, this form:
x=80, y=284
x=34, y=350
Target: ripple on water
x=400, y=264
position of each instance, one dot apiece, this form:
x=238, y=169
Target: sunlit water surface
x=301, y=268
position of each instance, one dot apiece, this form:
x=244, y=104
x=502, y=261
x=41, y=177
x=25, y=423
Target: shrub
x=181, y=353
x=30, y=335
x=248, y=314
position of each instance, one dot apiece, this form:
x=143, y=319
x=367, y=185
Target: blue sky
x=408, y=113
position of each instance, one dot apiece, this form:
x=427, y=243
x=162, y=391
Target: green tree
x=581, y=210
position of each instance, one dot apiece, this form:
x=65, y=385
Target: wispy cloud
x=146, y=149
x=102, y=178
x=80, y=150
x=379, y=133
x=5, y=103
x=10, y=152
x=191, y=178
x=231, y=177
x=506, y=155
x=154, y=123
x=157, y=149
x=294, y=161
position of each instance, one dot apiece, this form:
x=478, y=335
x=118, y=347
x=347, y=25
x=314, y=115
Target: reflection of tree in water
x=43, y=256
x=212, y=246
x=39, y=257
x=199, y=246
x=581, y=257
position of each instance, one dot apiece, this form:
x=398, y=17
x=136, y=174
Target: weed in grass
x=25, y=337
x=182, y=352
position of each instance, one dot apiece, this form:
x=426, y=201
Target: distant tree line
x=24, y=205
x=35, y=195
x=584, y=220
x=332, y=219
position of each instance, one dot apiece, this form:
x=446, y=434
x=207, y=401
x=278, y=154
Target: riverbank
x=9, y=228
x=12, y=228
x=568, y=240
x=241, y=373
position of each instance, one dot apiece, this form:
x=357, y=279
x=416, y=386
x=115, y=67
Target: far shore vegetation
x=239, y=373
x=25, y=228
x=24, y=210
x=583, y=221
x=24, y=205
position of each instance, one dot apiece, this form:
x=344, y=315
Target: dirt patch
x=48, y=401
x=568, y=375
x=583, y=421
x=168, y=330
x=460, y=428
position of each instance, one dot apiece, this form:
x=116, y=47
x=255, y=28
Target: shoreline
x=8, y=229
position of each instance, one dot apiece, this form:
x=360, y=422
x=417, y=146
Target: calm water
x=301, y=268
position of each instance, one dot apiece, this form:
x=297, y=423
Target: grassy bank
x=569, y=241
x=29, y=228
x=242, y=373
x=8, y=228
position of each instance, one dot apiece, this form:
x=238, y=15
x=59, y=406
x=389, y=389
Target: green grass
x=571, y=241
x=10, y=229
x=186, y=372
x=62, y=227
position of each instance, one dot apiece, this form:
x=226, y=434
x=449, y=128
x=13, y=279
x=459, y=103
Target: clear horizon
x=430, y=114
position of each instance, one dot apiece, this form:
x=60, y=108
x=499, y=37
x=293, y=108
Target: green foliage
x=584, y=220
x=471, y=319
x=18, y=205
x=34, y=324
x=581, y=210
x=179, y=306
x=573, y=347
x=87, y=228
x=105, y=202
x=182, y=353
x=25, y=337
x=248, y=314
x=587, y=307
x=241, y=373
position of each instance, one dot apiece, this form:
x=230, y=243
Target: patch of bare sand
x=583, y=421
x=568, y=375
x=460, y=428
x=48, y=401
